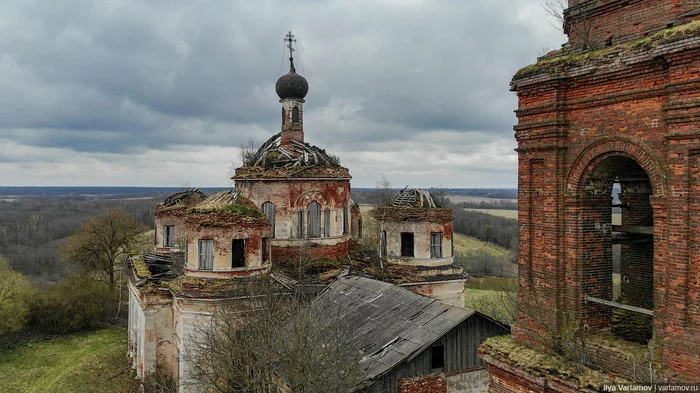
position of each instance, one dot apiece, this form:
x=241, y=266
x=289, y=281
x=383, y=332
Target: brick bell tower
x=609, y=201
x=292, y=88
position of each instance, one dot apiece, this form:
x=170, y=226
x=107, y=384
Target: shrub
x=76, y=303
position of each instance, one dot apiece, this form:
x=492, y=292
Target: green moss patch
x=568, y=61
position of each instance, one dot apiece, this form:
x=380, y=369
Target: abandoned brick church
x=609, y=203
x=291, y=202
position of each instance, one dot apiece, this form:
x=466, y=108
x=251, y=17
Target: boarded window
x=327, y=223
x=346, y=218
x=206, y=254
x=238, y=253
x=436, y=244
x=269, y=210
x=295, y=115
x=382, y=241
x=406, y=244
x=169, y=236
x=300, y=224
x=437, y=357
x=314, y=219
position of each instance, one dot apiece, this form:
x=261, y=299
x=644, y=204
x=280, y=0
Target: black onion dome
x=291, y=85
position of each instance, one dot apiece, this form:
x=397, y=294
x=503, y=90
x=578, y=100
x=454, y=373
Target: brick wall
x=617, y=21
x=638, y=105
x=435, y=383
x=430, y=214
x=311, y=251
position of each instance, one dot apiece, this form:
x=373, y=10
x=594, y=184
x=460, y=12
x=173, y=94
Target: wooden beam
x=618, y=305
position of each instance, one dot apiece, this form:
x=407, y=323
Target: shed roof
x=390, y=324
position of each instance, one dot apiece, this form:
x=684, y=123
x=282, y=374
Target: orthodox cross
x=289, y=38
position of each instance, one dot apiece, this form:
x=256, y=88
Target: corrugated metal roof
x=388, y=323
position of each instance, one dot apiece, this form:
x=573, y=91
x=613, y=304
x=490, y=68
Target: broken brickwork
x=624, y=116
x=435, y=383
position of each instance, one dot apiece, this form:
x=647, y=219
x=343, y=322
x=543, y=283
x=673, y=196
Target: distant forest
x=35, y=221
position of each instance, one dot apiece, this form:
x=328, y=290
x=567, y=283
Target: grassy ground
x=87, y=362
x=497, y=212
x=457, y=199
x=499, y=305
x=467, y=245
x=492, y=283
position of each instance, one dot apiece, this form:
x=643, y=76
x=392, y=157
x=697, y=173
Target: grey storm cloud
x=126, y=76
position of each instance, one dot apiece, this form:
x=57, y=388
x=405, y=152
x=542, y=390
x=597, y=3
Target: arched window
x=283, y=117
x=314, y=219
x=269, y=210
x=295, y=115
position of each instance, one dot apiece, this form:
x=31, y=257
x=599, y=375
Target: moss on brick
x=537, y=363
x=565, y=61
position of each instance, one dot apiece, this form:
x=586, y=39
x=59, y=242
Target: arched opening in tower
x=617, y=249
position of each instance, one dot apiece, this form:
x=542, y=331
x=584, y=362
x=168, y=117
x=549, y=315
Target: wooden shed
x=403, y=335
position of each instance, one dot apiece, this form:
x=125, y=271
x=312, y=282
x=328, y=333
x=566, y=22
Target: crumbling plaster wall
x=223, y=237
x=192, y=317
x=175, y=218
x=421, y=237
x=290, y=196
x=151, y=334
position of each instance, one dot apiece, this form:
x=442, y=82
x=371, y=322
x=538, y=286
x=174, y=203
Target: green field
x=497, y=212
x=87, y=362
x=467, y=245
x=499, y=305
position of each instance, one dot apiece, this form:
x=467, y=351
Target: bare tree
x=270, y=341
x=104, y=242
x=582, y=30
x=383, y=193
x=248, y=150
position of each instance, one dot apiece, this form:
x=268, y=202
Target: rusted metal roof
x=389, y=324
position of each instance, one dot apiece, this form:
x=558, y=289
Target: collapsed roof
x=273, y=155
x=183, y=198
x=413, y=198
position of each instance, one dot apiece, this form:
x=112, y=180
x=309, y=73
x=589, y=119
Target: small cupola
x=292, y=88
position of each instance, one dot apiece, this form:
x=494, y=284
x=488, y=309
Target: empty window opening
x=407, y=244
x=437, y=357
x=295, y=115
x=618, y=262
x=283, y=116
x=314, y=219
x=269, y=210
x=238, y=253
x=346, y=218
x=436, y=245
x=169, y=236
x=327, y=223
x=206, y=254
x=300, y=224
x=266, y=249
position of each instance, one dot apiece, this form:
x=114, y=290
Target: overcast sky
x=163, y=92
